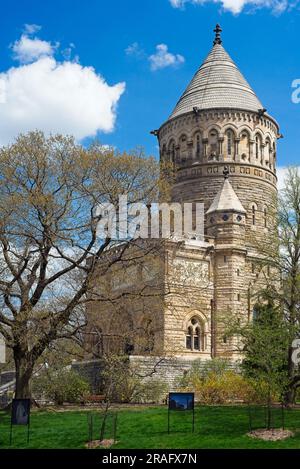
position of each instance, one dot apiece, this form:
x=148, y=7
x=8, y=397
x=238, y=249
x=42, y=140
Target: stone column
x=220, y=149
x=251, y=150
x=190, y=157
x=204, y=143
x=236, y=149
x=262, y=152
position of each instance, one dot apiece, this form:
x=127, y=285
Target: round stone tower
x=220, y=123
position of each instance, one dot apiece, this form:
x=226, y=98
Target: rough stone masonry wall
x=189, y=293
x=248, y=187
x=166, y=369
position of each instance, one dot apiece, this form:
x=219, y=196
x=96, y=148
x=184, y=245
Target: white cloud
x=237, y=6
x=52, y=96
x=31, y=28
x=28, y=50
x=68, y=52
x=135, y=50
x=163, y=58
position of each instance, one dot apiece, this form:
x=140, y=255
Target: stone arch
x=244, y=144
x=231, y=126
x=268, y=160
x=260, y=133
x=214, y=126
x=195, y=328
x=258, y=144
x=246, y=128
x=171, y=149
x=183, y=146
x=229, y=143
x=213, y=145
x=268, y=135
x=253, y=213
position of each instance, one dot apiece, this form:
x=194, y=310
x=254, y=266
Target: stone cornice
x=220, y=114
x=215, y=168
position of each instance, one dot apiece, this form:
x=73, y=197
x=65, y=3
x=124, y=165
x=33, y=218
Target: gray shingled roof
x=226, y=200
x=217, y=84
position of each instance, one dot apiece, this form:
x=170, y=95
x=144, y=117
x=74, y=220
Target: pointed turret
x=226, y=216
x=226, y=199
x=217, y=84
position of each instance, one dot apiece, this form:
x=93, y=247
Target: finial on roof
x=226, y=172
x=218, y=31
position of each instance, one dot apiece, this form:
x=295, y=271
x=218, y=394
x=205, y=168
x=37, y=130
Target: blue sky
x=118, y=38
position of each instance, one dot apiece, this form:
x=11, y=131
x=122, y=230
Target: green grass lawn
x=215, y=427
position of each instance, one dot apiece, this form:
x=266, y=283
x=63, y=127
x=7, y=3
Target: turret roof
x=217, y=84
x=226, y=200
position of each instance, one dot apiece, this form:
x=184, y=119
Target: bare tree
x=50, y=189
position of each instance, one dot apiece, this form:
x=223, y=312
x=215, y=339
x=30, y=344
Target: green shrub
x=221, y=388
x=215, y=382
x=152, y=391
x=200, y=370
x=60, y=386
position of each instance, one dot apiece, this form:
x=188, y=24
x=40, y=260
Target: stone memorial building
x=223, y=143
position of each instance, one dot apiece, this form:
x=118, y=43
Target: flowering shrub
x=215, y=382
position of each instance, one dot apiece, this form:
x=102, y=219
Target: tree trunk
x=24, y=371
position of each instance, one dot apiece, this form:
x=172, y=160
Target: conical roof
x=217, y=84
x=226, y=200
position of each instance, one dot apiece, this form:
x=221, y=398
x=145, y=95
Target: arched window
x=258, y=146
x=183, y=147
x=197, y=335
x=244, y=145
x=197, y=142
x=213, y=152
x=268, y=152
x=230, y=142
x=189, y=336
x=194, y=335
x=253, y=214
x=171, y=151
